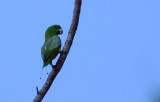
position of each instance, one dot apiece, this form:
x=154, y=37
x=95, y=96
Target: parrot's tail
x=45, y=64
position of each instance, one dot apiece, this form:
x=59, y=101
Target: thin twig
x=63, y=54
x=37, y=90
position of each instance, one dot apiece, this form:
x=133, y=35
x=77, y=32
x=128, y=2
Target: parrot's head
x=53, y=30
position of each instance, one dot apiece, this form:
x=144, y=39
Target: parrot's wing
x=50, y=49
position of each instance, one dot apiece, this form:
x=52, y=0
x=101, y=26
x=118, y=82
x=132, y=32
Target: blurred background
x=115, y=56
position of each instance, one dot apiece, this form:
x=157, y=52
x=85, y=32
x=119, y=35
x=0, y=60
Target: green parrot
x=52, y=44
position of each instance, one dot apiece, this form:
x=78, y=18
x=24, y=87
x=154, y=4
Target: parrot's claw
x=63, y=52
x=54, y=67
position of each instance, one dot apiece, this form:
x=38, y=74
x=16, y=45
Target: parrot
x=52, y=45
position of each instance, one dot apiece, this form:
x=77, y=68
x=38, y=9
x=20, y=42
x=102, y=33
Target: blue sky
x=115, y=56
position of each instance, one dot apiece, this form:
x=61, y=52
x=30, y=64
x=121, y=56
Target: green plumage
x=52, y=44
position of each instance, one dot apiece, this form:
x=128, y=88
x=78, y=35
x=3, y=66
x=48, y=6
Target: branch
x=63, y=54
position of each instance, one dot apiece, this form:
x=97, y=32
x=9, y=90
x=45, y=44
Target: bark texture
x=40, y=94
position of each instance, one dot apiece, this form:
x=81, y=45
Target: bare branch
x=63, y=53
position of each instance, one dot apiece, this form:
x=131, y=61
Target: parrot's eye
x=55, y=27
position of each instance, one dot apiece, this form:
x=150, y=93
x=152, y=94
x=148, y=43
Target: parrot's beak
x=60, y=31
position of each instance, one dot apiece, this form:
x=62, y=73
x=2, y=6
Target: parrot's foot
x=62, y=52
x=54, y=67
